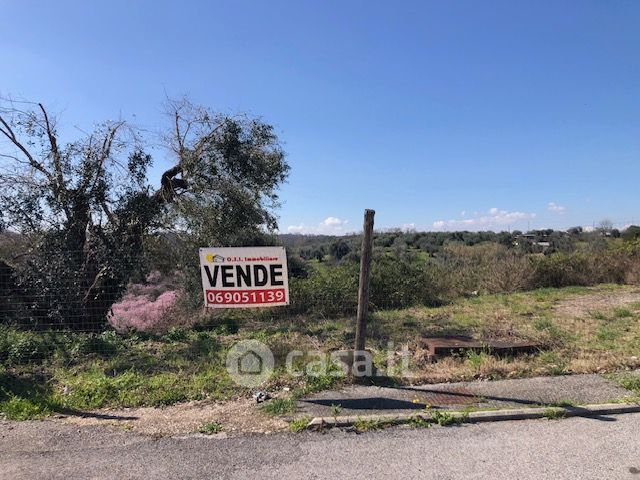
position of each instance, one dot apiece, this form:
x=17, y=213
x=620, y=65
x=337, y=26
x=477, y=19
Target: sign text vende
x=236, y=277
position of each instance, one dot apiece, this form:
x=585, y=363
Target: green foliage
x=19, y=348
x=175, y=334
x=396, y=283
x=297, y=266
x=280, y=406
x=555, y=333
x=444, y=418
x=124, y=371
x=561, y=270
x=210, y=428
x=339, y=249
x=17, y=408
x=326, y=292
x=418, y=421
x=607, y=334
x=227, y=324
x=631, y=233
x=25, y=397
x=475, y=359
x=621, y=312
x=365, y=425
x=104, y=344
x=299, y=424
x=630, y=381
x=553, y=413
x=94, y=388
x=598, y=315
x=581, y=268
x=458, y=263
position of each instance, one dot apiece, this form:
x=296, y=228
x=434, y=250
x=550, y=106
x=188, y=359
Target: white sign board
x=241, y=277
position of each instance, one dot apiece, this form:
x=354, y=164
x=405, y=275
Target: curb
x=483, y=416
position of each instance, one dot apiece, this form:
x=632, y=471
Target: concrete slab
x=527, y=392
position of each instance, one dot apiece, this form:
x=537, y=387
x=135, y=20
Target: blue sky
x=441, y=115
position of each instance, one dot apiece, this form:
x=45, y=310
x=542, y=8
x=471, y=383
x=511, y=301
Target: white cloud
x=329, y=226
x=554, y=207
x=409, y=227
x=296, y=228
x=492, y=219
x=332, y=222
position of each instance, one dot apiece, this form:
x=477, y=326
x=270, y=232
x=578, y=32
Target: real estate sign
x=240, y=277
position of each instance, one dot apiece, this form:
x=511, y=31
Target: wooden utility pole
x=363, y=289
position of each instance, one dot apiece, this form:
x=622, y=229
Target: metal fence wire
x=64, y=309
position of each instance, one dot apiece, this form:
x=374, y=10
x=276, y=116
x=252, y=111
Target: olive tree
x=86, y=205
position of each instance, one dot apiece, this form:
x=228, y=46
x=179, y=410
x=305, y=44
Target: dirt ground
x=240, y=416
x=581, y=305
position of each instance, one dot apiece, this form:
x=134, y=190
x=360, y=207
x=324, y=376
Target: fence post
x=363, y=288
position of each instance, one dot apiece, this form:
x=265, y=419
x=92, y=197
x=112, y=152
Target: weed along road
x=575, y=448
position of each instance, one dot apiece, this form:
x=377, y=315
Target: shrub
x=326, y=292
x=466, y=267
x=396, y=284
x=19, y=348
x=508, y=272
x=297, y=266
x=139, y=312
x=175, y=334
x=581, y=268
x=106, y=343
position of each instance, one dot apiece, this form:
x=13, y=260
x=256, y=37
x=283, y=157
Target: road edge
x=593, y=410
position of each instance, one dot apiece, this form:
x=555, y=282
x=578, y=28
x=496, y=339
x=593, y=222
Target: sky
x=463, y=115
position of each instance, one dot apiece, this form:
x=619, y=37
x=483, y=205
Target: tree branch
x=105, y=151
x=108, y=213
x=169, y=184
x=8, y=132
x=53, y=142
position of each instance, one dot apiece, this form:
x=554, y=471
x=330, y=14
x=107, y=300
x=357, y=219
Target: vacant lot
x=585, y=329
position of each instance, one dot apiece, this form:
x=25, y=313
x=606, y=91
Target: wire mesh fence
x=68, y=311
x=70, y=306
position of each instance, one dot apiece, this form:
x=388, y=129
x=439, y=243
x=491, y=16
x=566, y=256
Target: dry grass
x=584, y=330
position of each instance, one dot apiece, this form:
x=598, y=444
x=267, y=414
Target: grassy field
x=586, y=329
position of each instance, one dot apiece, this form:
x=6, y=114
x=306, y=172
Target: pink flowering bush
x=140, y=312
x=145, y=307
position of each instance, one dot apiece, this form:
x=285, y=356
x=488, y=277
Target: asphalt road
x=576, y=448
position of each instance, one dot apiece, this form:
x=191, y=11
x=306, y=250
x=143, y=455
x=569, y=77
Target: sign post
x=243, y=277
